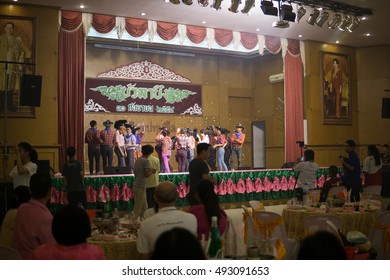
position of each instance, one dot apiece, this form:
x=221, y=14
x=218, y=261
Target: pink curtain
x=272, y=44
x=103, y=23
x=249, y=40
x=293, y=84
x=223, y=37
x=167, y=30
x=71, y=85
x=136, y=27
x=196, y=34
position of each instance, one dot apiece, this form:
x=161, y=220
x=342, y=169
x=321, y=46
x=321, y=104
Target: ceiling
x=195, y=14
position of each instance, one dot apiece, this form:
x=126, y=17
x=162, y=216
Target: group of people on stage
x=125, y=140
x=225, y=146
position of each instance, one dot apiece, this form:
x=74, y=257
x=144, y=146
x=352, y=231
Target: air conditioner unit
x=277, y=78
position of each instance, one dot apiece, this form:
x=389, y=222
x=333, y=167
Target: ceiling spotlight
x=216, y=5
x=313, y=16
x=249, y=4
x=301, y=13
x=286, y=13
x=355, y=23
x=234, y=7
x=176, y=2
x=322, y=18
x=268, y=8
x=334, y=21
x=347, y=20
x=203, y=3
x=187, y=2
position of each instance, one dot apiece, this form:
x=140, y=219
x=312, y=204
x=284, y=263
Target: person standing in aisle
x=351, y=165
x=92, y=138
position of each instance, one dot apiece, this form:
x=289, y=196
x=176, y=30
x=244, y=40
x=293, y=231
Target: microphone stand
x=5, y=147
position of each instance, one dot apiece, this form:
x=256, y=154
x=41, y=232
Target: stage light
x=286, y=13
x=249, y=4
x=203, y=3
x=234, y=7
x=345, y=22
x=322, y=18
x=301, y=13
x=187, y=2
x=313, y=16
x=334, y=21
x=268, y=8
x=176, y=2
x=355, y=23
x=216, y=5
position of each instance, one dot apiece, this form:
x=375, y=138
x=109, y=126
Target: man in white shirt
x=168, y=217
x=307, y=169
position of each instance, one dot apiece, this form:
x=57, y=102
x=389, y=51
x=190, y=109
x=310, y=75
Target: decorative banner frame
x=336, y=88
x=18, y=47
x=129, y=96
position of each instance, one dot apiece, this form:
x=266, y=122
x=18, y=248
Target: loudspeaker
x=386, y=108
x=30, y=91
x=111, y=170
x=43, y=167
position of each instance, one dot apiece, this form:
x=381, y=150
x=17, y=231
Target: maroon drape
x=136, y=27
x=249, y=40
x=223, y=37
x=196, y=34
x=103, y=23
x=167, y=30
x=272, y=44
x=293, y=84
x=71, y=85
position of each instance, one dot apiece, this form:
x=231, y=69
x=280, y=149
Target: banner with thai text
x=127, y=96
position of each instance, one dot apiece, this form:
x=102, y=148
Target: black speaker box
x=30, y=91
x=112, y=170
x=386, y=108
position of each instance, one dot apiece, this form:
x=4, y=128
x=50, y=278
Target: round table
x=119, y=250
x=361, y=221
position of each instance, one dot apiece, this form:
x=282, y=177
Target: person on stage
x=119, y=141
x=107, y=143
x=237, y=141
x=130, y=143
x=92, y=138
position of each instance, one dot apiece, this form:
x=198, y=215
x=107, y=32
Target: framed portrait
x=336, y=88
x=17, y=57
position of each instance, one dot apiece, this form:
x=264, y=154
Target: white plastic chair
x=256, y=205
x=378, y=234
x=375, y=189
x=279, y=232
x=252, y=235
x=329, y=223
x=8, y=253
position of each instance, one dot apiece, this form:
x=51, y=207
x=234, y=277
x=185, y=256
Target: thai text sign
x=124, y=96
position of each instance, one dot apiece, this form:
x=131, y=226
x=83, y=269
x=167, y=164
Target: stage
x=232, y=187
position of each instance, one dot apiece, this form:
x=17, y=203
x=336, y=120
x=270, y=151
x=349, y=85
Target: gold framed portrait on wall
x=17, y=57
x=336, y=88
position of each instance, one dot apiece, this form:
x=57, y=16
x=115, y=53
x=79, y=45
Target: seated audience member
x=168, y=217
x=334, y=181
x=307, y=169
x=33, y=220
x=372, y=167
x=321, y=246
x=208, y=207
x=177, y=244
x=21, y=195
x=70, y=228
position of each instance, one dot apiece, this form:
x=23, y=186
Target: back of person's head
x=40, y=185
x=309, y=154
x=333, y=170
x=177, y=244
x=71, y=151
x=92, y=123
x=22, y=194
x=208, y=197
x=33, y=155
x=202, y=147
x=166, y=193
x=71, y=226
x=351, y=143
x=147, y=150
x=322, y=246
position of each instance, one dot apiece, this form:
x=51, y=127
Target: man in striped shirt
x=107, y=140
x=92, y=138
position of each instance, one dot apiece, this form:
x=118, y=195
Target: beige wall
x=40, y=131
x=227, y=83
